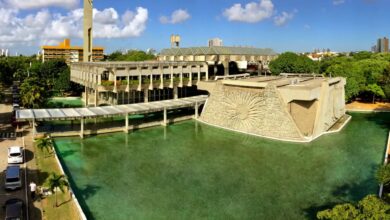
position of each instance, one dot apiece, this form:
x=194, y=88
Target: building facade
x=71, y=54
x=293, y=107
x=215, y=42
x=223, y=61
x=382, y=45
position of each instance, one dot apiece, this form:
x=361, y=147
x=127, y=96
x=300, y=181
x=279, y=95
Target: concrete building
x=291, y=107
x=215, y=42
x=88, y=53
x=223, y=60
x=113, y=83
x=71, y=54
x=382, y=45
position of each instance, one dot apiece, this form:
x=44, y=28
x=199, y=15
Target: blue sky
x=284, y=25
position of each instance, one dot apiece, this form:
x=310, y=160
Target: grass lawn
x=65, y=103
x=67, y=209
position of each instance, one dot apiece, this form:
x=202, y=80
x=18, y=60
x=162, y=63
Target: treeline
x=131, y=55
x=41, y=81
x=37, y=81
x=368, y=74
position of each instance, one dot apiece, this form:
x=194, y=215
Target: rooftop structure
x=289, y=107
x=222, y=60
x=215, y=42
x=71, y=54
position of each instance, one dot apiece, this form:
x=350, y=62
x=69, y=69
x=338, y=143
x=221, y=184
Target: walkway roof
x=217, y=51
x=106, y=111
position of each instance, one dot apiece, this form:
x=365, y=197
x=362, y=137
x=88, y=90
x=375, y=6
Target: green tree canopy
x=289, y=62
x=33, y=93
x=132, y=55
x=371, y=207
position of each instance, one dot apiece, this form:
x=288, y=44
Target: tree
x=383, y=174
x=375, y=90
x=292, y=63
x=62, y=82
x=132, y=55
x=56, y=182
x=44, y=143
x=371, y=207
x=33, y=93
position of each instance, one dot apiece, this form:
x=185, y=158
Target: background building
x=215, y=42
x=382, y=45
x=4, y=52
x=70, y=53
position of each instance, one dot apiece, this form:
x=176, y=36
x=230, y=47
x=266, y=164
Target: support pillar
x=196, y=111
x=127, y=123
x=86, y=96
x=33, y=129
x=165, y=117
x=175, y=92
x=82, y=128
x=146, y=95
x=96, y=98
x=226, y=68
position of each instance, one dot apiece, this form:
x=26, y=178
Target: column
x=196, y=110
x=127, y=123
x=175, y=91
x=96, y=97
x=259, y=68
x=146, y=95
x=165, y=117
x=226, y=68
x=82, y=128
x=86, y=95
x=33, y=129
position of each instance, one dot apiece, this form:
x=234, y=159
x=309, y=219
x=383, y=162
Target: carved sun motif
x=243, y=109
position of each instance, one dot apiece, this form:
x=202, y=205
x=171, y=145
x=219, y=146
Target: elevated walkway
x=71, y=114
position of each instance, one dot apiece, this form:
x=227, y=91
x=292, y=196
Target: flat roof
x=120, y=64
x=105, y=111
x=69, y=48
x=218, y=51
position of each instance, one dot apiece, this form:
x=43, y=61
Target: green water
x=194, y=171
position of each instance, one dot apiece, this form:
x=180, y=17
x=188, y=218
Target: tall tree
x=57, y=182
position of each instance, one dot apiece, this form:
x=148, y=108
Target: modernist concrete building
x=70, y=53
x=223, y=60
x=132, y=82
x=290, y=108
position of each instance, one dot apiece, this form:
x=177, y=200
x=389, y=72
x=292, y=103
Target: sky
x=283, y=25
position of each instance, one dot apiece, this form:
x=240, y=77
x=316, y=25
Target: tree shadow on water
x=344, y=193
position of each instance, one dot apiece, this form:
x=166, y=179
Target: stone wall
x=254, y=111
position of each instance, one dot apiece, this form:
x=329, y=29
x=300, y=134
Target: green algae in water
x=193, y=171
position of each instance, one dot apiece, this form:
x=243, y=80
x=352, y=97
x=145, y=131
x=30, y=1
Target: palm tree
x=44, y=143
x=56, y=181
x=383, y=174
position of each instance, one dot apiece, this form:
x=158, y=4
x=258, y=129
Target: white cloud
x=283, y=18
x=32, y=4
x=251, y=13
x=178, y=16
x=46, y=27
x=338, y=2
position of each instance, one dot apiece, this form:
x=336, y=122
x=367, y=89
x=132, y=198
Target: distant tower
x=87, y=53
x=215, y=42
x=175, y=41
x=382, y=45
